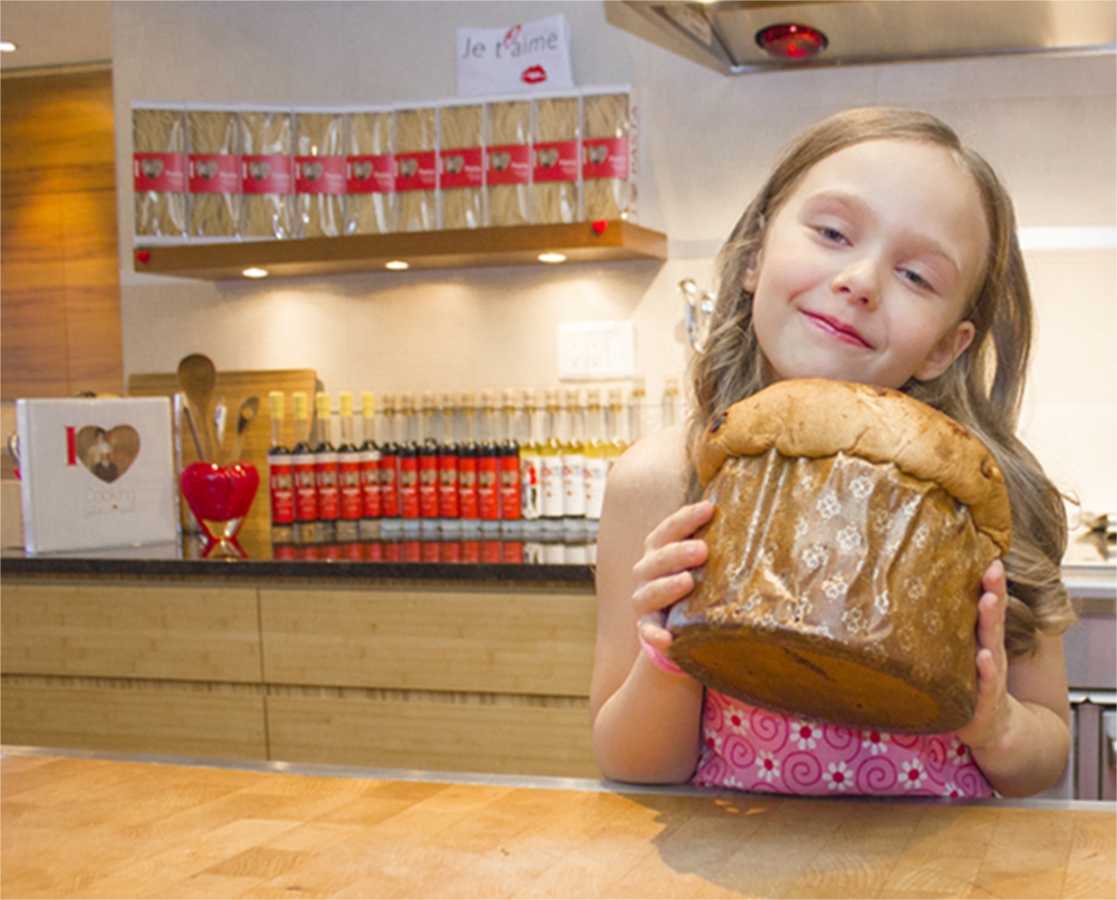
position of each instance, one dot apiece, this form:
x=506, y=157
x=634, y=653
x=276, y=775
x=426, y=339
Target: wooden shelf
x=459, y=249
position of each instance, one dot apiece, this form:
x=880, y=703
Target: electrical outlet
x=595, y=351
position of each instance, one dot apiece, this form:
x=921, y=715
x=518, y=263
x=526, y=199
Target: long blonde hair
x=982, y=389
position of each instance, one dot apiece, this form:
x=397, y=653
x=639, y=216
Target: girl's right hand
x=662, y=574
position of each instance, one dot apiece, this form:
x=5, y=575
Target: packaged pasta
x=371, y=190
x=554, y=173
x=461, y=164
x=320, y=172
x=159, y=170
x=608, y=186
x=267, y=173
x=213, y=172
x=416, y=167
x=508, y=162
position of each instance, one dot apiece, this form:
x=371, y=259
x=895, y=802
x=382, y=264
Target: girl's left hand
x=991, y=716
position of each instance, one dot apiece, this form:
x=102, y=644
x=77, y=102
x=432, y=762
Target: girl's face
x=866, y=269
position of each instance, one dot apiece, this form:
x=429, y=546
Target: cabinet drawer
x=486, y=641
x=500, y=739
x=131, y=631
x=135, y=721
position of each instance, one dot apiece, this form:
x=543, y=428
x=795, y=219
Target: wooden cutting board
x=234, y=387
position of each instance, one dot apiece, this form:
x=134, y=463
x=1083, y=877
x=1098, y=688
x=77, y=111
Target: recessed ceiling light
x=396, y=265
x=7, y=46
x=552, y=257
x=255, y=272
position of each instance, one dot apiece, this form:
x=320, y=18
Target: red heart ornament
x=143, y=256
x=599, y=226
x=219, y=493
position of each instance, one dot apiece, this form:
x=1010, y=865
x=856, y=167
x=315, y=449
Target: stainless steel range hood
x=722, y=35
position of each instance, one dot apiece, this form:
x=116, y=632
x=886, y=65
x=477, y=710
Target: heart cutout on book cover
x=259, y=170
x=362, y=170
x=107, y=454
x=151, y=168
x=312, y=171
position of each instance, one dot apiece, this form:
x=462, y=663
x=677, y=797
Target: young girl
x=880, y=251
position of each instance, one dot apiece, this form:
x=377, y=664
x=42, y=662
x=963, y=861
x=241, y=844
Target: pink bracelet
x=658, y=658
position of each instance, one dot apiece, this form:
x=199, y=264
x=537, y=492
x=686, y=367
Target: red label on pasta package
x=214, y=173
x=508, y=164
x=556, y=161
x=320, y=174
x=605, y=157
x=370, y=174
x=159, y=172
x=416, y=171
x=462, y=168
x=266, y=174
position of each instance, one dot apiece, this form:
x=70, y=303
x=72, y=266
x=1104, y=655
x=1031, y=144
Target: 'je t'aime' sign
x=520, y=58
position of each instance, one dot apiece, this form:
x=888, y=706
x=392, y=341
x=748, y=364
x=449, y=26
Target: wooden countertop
x=82, y=826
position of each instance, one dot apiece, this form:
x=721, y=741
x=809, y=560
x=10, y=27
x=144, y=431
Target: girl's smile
x=838, y=329
x=867, y=269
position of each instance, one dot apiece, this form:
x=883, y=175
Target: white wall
x=1047, y=123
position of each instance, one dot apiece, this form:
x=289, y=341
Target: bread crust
x=816, y=417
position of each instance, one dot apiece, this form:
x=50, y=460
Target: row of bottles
x=449, y=465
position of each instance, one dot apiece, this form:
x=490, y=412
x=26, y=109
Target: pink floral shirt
x=751, y=749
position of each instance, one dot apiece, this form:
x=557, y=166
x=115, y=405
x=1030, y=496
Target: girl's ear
x=948, y=348
x=752, y=273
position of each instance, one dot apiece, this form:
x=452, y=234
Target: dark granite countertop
x=469, y=558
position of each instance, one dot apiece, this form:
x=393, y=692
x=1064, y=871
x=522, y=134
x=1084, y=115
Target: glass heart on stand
x=220, y=497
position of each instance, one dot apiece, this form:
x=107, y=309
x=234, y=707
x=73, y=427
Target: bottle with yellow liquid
x=614, y=425
x=595, y=466
x=573, y=464
x=550, y=454
x=671, y=410
x=636, y=405
x=531, y=464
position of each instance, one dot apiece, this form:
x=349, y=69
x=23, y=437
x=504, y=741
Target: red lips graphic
x=534, y=75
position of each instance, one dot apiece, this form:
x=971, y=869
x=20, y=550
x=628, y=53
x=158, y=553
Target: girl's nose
x=858, y=282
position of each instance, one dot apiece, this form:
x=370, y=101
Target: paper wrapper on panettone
x=852, y=527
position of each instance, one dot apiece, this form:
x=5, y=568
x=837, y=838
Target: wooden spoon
x=245, y=415
x=197, y=375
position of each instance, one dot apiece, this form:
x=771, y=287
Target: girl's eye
x=915, y=278
x=832, y=234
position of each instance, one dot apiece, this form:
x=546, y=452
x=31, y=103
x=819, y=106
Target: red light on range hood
x=790, y=41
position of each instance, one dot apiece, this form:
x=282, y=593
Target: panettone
x=852, y=527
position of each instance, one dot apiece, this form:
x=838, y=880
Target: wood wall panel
x=59, y=273
x=58, y=134
x=465, y=640
x=505, y=739
x=130, y=631
x=134, y=721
